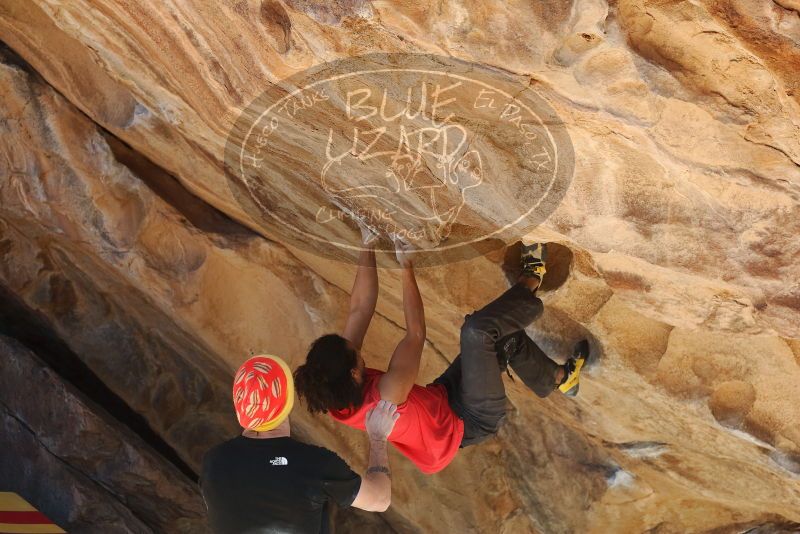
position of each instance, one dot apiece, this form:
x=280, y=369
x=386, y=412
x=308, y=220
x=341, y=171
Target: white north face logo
x=279, y=460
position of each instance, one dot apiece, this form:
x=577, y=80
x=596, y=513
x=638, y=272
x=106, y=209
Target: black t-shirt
x=275, y=485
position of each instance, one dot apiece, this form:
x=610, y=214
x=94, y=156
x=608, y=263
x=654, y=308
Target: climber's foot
x=571, y=382
x=532, y=260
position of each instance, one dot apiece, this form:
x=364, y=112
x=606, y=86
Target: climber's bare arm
x=363, y=298
x=404, y=365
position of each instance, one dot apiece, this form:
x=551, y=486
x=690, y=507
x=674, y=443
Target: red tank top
x=428, y=432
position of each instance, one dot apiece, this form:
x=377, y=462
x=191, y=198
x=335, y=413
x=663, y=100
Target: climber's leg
x=541, y=374
x=474, y=380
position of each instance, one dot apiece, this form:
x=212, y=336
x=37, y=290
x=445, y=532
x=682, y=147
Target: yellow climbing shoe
x=533, y=258
x=569, y=386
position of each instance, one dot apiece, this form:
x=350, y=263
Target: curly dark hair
x=325, y=381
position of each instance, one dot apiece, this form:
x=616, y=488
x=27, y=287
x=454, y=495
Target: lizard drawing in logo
x=426, y=174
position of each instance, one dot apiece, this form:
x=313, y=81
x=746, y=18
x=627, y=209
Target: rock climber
x=467, y=403
x=266, y=481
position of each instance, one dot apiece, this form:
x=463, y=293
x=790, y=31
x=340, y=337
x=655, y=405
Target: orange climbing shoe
x=569, y=386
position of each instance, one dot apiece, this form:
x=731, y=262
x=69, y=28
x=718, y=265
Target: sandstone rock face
x=70, y=446
x=676, y=253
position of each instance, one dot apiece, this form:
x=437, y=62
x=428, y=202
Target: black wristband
x=379, y=469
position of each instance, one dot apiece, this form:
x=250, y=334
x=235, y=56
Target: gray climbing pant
x=474, y=381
